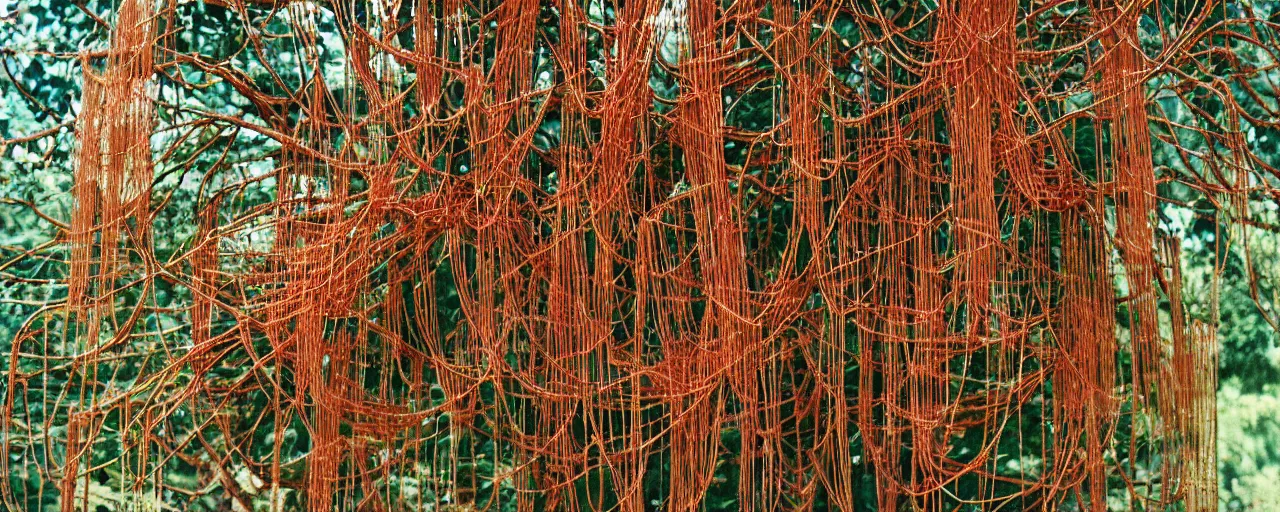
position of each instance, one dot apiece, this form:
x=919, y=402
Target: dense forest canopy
x=639, y=255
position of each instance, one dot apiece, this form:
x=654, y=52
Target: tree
x=540, y=255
